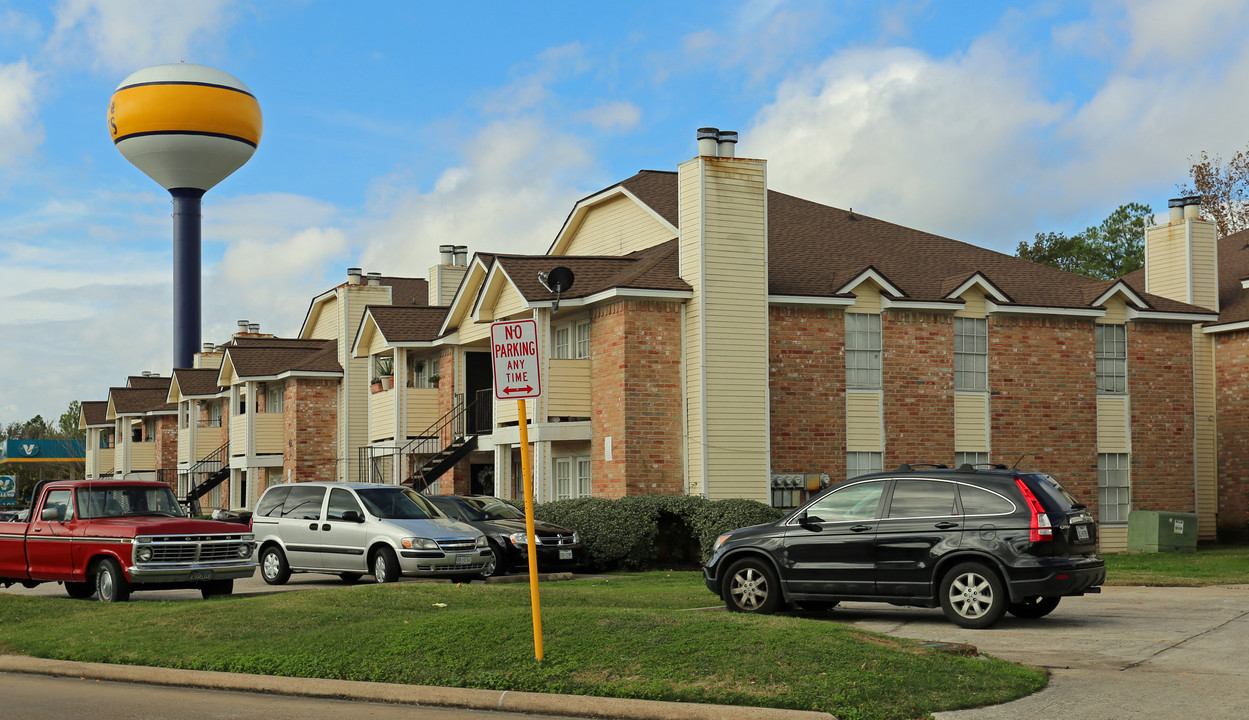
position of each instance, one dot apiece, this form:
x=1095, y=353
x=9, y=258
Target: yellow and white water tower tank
x=185, y=125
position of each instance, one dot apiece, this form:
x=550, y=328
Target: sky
x=391, y=128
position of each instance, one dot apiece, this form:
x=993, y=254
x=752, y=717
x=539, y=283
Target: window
x=421, y=372
x=149, y=430
x=274, y=396
x=106, y=439
x=61, y=501
x=566, y=484
x=303, y=503
x=856, y=502
x=862, y=463
x=184, y=415
x=1114, y=483
x=921, y=499
x=214, y=414
x=1112, y=359
x=572, y=340
x=978, y=501
x=863, y=343
x=970, y=458
x=341, y=502
x=971, y=354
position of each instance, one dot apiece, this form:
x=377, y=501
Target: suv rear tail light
x=1039, y=528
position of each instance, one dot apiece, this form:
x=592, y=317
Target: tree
x=1224, y=190
x=68, y=424
x=1110, y=250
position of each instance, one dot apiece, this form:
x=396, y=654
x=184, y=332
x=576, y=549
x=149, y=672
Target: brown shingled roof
x=654, y=268
x=408, y=324
x=135, y=401
x=407, y=291
x=197, y=381
x=147, y=381
x=95, y=412
x=270, y=361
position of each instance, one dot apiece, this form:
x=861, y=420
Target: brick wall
x=1231, y=368
x=1160, y=392
x=807, y=385
x=635, y=389
x=167, y=447
x=310, y=430
x=1042, y=376
x=917, y=379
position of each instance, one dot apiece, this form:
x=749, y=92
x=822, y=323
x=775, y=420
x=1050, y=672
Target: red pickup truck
x=111, y=537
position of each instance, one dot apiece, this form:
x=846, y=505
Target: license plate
x=565, y=554
x=1082, y=532
x=463, y=559
x=201, y=574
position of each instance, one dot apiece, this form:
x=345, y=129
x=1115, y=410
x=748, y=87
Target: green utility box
x=1161, y=531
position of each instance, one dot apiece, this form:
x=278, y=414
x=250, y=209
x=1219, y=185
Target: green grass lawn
x=642, y=636
x=1213, y=565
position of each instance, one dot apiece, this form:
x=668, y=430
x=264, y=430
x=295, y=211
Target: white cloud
x=19, y=112
x=122, y=36
x=618, y=116
x=531, y=87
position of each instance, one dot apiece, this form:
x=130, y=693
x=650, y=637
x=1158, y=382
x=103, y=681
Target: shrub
x=652, y=531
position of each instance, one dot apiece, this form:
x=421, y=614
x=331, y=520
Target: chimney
x=461, y=255
x=446, y=254
x=708, y=139
x=726, y=141
x=1181, y=257
x=354, y=276
x=375, y=279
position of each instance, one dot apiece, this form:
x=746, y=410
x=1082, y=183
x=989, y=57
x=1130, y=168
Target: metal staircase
x=215, y=467
x=436, y=449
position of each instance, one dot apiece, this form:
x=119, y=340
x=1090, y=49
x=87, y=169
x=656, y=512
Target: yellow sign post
x=518, y=374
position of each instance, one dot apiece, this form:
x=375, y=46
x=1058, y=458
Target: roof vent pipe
x=253, y=328
x=147, y=373
x=209, y=347
x=726, y=140
x=375, y=279
x=461, y=255
x=354, y=276
x=1184, y=207
x=447, y=254
x=242, y=326
x=707, y=139
x=1192, y=206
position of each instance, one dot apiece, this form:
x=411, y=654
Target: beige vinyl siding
x=1206, y=431
x=422, y=409
x=1116, y=312
x=568, y=388
x=866, y=298
x=971, y=422
x=863, y=423
x=1113, y=435
x=377, y=343
x=691, y=222
x=444, y=280
x=1166, y=273
x=1205, y=265
x=327, y=325
x=471, y=332
x=207, y=440
x=238, y=435
x=269, y=433
x=106, y=459
x=353, y=426
x=734, y=319
x=509, y=303
x=382, y=415
x=1113, y=538
x=505, y=411
x=616, y=227
x=184, y=445
x=973, y=307
x=142, y=457
x=91, y=465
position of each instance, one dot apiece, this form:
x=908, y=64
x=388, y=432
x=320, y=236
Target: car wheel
x=751, y=586
x=972, y=596
x=273, y=567
x=80, y=590
x=216, y=587
x=496, y=565
x=385, y=565
x=816, y=605
x=110, y=584
x=350, y=578
x=1034, y=607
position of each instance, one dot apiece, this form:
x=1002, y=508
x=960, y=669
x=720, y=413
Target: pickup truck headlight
x=144, y=554
x=482, y=542
x=418, y=543
x=245, y=550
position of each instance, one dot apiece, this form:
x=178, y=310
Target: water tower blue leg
x=186, y=275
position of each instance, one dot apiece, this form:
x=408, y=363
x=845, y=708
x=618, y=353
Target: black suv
x=977, y=540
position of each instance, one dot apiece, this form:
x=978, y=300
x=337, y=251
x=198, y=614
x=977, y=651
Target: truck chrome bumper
x=191, y=573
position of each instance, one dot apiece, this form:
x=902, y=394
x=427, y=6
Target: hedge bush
x=652, y=531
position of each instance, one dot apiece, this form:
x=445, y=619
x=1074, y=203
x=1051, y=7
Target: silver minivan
x=350, y=529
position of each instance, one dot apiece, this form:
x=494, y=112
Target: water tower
x=187, y=127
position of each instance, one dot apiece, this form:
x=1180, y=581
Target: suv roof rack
x=969, y=467
x=907, y=467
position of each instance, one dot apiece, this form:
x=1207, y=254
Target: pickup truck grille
x=194, y=549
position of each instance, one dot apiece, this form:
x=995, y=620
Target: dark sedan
x=559, y=549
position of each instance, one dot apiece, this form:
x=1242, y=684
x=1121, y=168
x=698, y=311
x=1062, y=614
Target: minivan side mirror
x=352, y=516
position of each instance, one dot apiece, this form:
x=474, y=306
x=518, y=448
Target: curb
x=469, y=698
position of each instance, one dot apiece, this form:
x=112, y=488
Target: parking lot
x=1129, y=651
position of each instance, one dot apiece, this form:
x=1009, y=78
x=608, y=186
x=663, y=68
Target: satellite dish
x=556, y=281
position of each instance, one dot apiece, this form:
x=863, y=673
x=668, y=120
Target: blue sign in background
x=8, y=490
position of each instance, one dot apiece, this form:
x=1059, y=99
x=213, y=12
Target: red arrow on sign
x=510, y=390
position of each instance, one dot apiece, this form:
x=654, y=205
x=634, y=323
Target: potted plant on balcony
x=376, y=385
x=433, y=381
x=385, y=371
